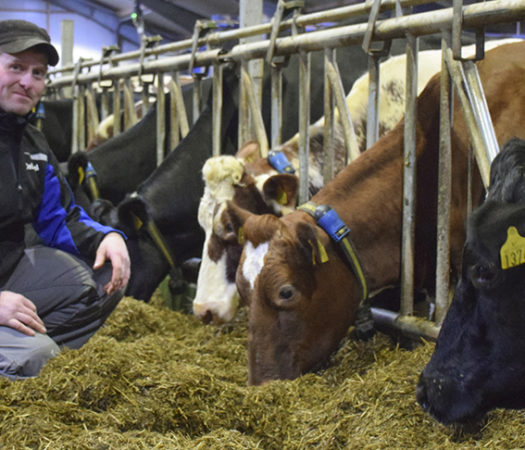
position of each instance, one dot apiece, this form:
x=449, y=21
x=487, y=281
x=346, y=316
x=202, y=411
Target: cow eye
x=286, y=292
x=483, y=275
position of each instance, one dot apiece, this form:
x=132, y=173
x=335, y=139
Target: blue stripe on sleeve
x=51, y=222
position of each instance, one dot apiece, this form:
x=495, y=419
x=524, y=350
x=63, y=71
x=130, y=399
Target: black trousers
x=69, y=298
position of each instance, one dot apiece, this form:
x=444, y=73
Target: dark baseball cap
x=19, y=35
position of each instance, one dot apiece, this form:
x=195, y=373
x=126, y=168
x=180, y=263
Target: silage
x=155, y=378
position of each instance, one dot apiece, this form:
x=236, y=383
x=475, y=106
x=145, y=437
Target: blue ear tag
x=90, y=170
x=279, y=162
x=333, y=225
x=40, y=111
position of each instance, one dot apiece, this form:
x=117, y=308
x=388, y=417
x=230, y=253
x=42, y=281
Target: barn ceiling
x=175, y=19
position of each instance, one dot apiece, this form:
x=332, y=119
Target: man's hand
x=113, y=247
x=18, y=312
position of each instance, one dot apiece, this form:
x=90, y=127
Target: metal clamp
x=146, y=43
x=201, y=28
x=369, y=33
x=457, y=27
x=282, y=6
x=76, y=73
x=107, y=53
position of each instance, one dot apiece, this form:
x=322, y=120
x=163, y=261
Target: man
x=49, y=295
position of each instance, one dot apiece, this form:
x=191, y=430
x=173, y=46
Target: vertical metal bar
x=244, y=134
x=352, y=147
x=277, y=105
x=161, y=118
x=176, y=92
x=481, y=110
x=372, y=122
x=409, y=180
x=130, y=115
x=116, y=107
x=82, y=117
x=145, y=98
x=104, y=103
x=329, y=116
x=174, y=137
x=74, y=122
x=257, y=120
x=92, y=114
x=460, y=84
x=304, y=122
x=444, y=192
x=217, y=109
x=196, y=98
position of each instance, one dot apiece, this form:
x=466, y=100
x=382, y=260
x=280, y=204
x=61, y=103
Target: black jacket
x=34, y=191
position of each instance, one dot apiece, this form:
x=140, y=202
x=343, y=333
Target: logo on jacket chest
x=32, y=166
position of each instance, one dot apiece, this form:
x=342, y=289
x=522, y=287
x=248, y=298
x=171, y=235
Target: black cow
x=170, y=197
x=55, y=118
x=122, y=162
x=479, y=360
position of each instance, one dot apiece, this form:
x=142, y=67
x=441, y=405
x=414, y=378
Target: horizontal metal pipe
x=409, y=325
x=218, y=38
x=496, y=11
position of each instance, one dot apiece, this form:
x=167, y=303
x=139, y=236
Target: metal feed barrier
x=456, y=72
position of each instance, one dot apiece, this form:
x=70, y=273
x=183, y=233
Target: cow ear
x=229, y=222
x=132, y=215
x=310, y=244
x=259, y=228
x=281, y=191
x=76, y=169
x=249, y=152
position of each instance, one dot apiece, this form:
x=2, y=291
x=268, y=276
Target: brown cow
x=302, y=295
x=258, y=188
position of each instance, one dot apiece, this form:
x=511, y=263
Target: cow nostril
x=207, y=318
x=421, y=395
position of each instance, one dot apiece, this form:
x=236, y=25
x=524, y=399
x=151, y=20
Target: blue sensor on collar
x=333, y=225
x=279, y=162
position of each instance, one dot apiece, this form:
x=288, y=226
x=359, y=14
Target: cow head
x=299, y=295
x=479, y=360
x=230, y=193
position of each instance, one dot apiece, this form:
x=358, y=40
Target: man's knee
x=24, y=356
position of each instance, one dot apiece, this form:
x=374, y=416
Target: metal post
x=116, y=107
x=352, y=147
x=329, y=118
x=161, y=118
x=409, y=180
x=304, y=122
x=372, y=123
x=444, y=192
x=217, y=109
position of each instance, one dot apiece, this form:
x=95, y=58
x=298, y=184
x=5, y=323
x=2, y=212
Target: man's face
x=22, y=80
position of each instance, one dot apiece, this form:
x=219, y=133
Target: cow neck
x=327, y=218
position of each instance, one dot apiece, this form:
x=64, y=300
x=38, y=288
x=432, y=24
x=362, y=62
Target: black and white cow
x=479, y=360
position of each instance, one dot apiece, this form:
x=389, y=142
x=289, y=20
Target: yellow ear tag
x=137, y=222
x=81, y=175
x=283, y=198
x=240, y=236
x=322, y=251
x=512, y=252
